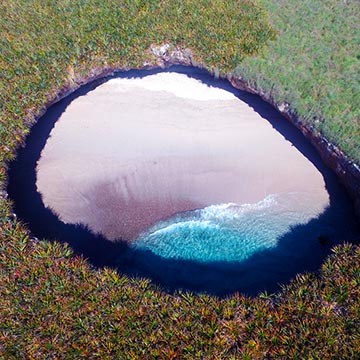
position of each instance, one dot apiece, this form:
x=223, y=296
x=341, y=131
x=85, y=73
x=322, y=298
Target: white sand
x=134, y=151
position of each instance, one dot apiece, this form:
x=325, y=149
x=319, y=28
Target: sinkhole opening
x=176, y=176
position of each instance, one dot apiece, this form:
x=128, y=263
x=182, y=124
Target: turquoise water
x=227, y=232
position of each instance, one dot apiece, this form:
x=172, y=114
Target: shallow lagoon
x=207, y=188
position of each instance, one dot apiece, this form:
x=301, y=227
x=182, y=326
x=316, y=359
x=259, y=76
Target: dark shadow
x=302, y=249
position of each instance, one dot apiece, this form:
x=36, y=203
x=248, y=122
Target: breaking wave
x=224, y=232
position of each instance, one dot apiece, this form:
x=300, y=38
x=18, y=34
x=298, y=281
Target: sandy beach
x=136, y=151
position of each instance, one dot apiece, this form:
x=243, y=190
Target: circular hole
x=179, y=177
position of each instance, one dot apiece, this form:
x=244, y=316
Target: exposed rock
x=167, y=55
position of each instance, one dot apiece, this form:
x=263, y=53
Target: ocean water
x=227, y=232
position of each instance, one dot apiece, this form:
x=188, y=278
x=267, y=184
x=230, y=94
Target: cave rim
x=183, y=69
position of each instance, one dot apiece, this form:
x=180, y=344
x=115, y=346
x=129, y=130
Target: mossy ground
x=55, y=305
x=314, y=65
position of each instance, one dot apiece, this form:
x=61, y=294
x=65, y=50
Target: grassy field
x=314, y=65
x=54, y=305
x=43, y=44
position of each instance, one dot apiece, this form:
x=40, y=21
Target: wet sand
x=135, y=151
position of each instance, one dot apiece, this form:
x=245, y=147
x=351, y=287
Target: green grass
x=314, y=65
x=46, y=43
x=54, y=305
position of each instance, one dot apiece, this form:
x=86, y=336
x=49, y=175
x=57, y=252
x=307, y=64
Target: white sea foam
x=164, y=227
x=179, y=85
x=226, y=231
x=208, y=234
x=234, y=211
x=209, y=217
